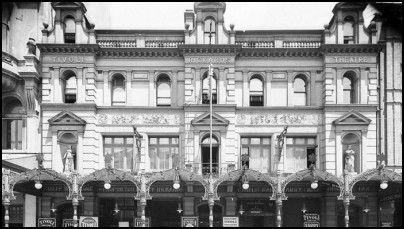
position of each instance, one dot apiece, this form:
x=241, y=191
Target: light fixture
x=314, y=184
x=304, y=209
x=116, y=209
x=245, y=182
x=107, y=185
x=366, y=209
x=383, y=184
x=176, y=184
x=53, y=209
x=241, y=210
x=38, y=184
x=179, y=209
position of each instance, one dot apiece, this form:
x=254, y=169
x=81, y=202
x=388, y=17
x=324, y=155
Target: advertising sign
x=68, y=223
x=46, y=222
x=230, y=221
x=189, y=221
x=138, y=222
x=88, y=221
x=387, y=224
x=311, y=220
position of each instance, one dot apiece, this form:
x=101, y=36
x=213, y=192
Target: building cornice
x=209, y=49
x=68, y=48
x=139, y=52
x=351, y=48
x=280, y=52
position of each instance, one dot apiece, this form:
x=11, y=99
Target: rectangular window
x=121, y=149
x=258, y=150
x=205, y=99
x=300, y=154
x=12, y=134
x=164, y=153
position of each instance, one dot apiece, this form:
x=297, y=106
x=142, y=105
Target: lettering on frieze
x=139, y=119
x=278, y=119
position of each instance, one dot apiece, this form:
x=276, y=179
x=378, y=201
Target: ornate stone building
x=137, y=102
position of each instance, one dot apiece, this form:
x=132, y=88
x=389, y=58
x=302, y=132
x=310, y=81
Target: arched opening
x=12, y=123
x=69, y=86
x=69, y=30
x=210, y=30
x=206, y=158
x=300, y=94
x=163, y=90
x=203, y=212
x=349, y=82
x=118, y=90
x=256, y=91
x=349, y=30
x=351, y=152
x=205, y=89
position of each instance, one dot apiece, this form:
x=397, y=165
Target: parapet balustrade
x=301, y=44
x=162, y=44
x=256, y=44
x=117, y=43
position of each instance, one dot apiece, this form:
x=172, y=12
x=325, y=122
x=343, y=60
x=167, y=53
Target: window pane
x=255, y=141
x=299, y=85
x=256, y=86
x=153, y=158
x=129, y=158
x=300, y=141
x=70, y=25
x=244, y=141
x=174, y=141
x=129, y=141
x=299, y=99
x=119, y=95
x=163, y=90
x=153, y=141
x=118, y=140
x=266, y=141
x=164, y=141
x=108, y=140
x=265, y=159
x=289, y=141
x=255, y=159
x=311, y=141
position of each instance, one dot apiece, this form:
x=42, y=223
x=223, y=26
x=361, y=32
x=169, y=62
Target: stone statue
x=69, y=166
x=349, y=159
x=31, y=46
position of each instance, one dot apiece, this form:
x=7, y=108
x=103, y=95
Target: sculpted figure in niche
x=349, y=159
x=68, y=166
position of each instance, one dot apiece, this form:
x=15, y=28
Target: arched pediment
x=56, y=5
x=349, y=6
x=209, y=5
x=352, y=118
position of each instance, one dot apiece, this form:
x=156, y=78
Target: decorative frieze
x=139, y=119
x=278, y=119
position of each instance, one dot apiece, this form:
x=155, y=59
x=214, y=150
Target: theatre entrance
x=203, y=213
x=164, y=213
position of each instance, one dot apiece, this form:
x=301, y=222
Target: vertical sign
x=138, y=222
x=46, y=222
x=189, y=221
x=311, y=220
x=230, y=221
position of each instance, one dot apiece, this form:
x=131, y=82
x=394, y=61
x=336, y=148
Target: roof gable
x=204, y=119
x=66, y=118
x=352, y=118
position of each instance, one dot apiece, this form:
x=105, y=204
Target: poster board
x=46, y=222
x=88, y=221
x=138, y=222
x=230, y=221
x=189, y=221
x=68, y=223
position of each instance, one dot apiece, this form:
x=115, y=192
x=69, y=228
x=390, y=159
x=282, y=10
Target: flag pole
x=210, y=104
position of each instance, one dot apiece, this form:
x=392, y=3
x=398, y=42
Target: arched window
x=70, y=30
x=299, y=87
x=163, y=91
x=210, y=31
x=118, y=90
x=349, y=30
x=256, y=91
x=349, y=87
x=205, y=89
x=12, y=124
x=205, y=149
x=71, y=89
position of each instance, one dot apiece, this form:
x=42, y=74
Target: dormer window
x=349, y=30
x=210, y=31
x=70, y=30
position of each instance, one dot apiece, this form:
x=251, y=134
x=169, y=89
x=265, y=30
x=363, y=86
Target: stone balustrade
x=162, y=44
x=256, y=44
x=117, y=43
x=301, y=44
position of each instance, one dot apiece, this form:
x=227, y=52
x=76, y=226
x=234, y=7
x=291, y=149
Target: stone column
x=107, y=89
x=246, y=89
x=57, y=86
x=128, y=88
x=267, y=88
x=80, y=91
x=174, y=89
x=198, y=86
x=152, y=90
x=290, y=89
x=221, y=90
x=363, y=87
x=57, y=163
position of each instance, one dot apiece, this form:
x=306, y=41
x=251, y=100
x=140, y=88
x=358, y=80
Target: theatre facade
x=125, y=124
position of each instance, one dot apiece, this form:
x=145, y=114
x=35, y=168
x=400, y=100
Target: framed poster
x=138, y=222
x=189, y=221
x=46, y=222
x=230, y=221
x=88, y=221
x=311, y=220
x=68, y=223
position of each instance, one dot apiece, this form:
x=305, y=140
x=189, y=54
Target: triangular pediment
x=352, y=118
x=67, y=118
x=204, y=119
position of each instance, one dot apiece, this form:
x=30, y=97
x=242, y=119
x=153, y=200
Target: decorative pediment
x=204, y=120
x=66, y=118
x=352, y=118
x=209, y=5
x=56, y=5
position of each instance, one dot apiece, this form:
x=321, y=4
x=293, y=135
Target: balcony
x=301, y=44
x=163, y=43
x=117, y=43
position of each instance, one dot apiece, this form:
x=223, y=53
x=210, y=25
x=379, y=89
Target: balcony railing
x=256, y=44
x=117, y=43
x=162, y=44
x=301, y=44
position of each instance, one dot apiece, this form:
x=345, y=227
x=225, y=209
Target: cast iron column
x=143, y=198
x=6, y=196
x=346, y=196
x=279, y=198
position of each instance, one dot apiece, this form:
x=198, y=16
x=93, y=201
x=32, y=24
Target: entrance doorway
x=354, y=216
x=65, y=211
x=203, y=213
x=164, y=213
x=109, y=216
